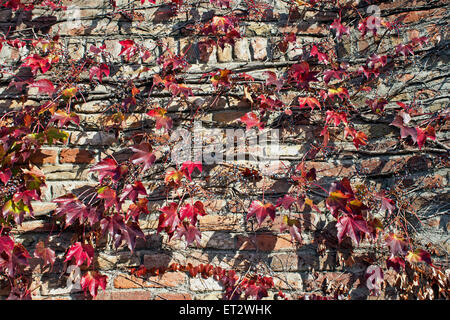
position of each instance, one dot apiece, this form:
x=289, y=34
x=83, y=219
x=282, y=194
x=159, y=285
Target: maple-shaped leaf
x=128, y=48
x=386, y=203
x=162, y=121
x=81, y=253
x=293, y=225
x=395, y=263
x=330, y=74
x=189, y=232
x=336, y=201
x=137, y=208
x=422, y=135
x=377, y=105
x=110, y=198
x=375, y=228
x=374, y=279
x=353, y=227
x=15, y=209
x=286, y=201
x=404, y=49
x=109, y=168
x=44, y=253
x=143, y=154
x=191, y=212
x=129, y=234
x=340, y=28
x=70, y=207
x=69, y=93
x=5, y=175
x=221, y=23
x=63, y=118
x=396, y=244
x=91, y=280
x=36, y=62
x=13, y=256
x=261, y=210
x=169, y=218
x=400, y=121
x=222, y=78
x=273, y=80
x=132, y=191
x=174, y=176
x=359, y=137
x=301, y=75
x=336, y=117
x=99, y=71
x=419, y=255
x=341, y=92
x=310, y=101
x=189, y=166
x=44, y=86
x=251, y=120
x=323, y=57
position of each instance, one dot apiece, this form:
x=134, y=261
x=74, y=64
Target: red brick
x=173, y=296
x=124, y=295
x=219, y=223
x=44, y=156
x=76, y=155
x=264, y=242
x=169, y=279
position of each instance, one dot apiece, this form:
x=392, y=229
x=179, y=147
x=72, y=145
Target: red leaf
x=44, y=86
x=422, y=135
x=188, y=167
x=162, y=121
x=143, y=155
x=109, y=168
x=396, y=244
x=311, y=102
x=81, y=252
x=128, y=48
x=110, y=197
x=323, y=57
x=62, y=117
x=340, y=28
x=189, y=232
x=99, y=71
x=169, y=218
x=419, y=255
x=353, y=227
x=46, y=254
x=191, y=212
x=286, y=201
x=91, y=281
x=5, y=175
x=132, y=191
x=272, y=80
x=36, y=62
x=251, y=120
x=261, y=211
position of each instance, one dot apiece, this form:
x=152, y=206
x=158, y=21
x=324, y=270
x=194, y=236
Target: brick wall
x=227, y=239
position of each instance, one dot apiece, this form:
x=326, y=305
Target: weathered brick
x=264, y=242
x=76, y=155
x=44, y=156
x=168, y=279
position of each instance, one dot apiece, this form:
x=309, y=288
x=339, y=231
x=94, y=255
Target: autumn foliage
x=330, y=91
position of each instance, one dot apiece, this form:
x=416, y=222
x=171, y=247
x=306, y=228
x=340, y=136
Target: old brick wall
x=227, y=239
